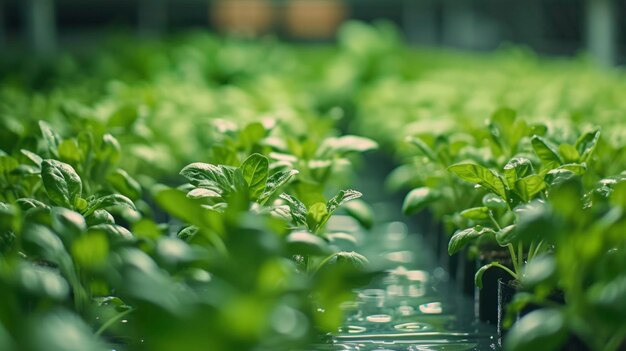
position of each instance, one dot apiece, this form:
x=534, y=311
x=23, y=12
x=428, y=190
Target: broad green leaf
x=540, y=270
x=351, y=259
x=463, y=237
x=586, y=144
x=610, y=299
x=42, y=281
x=33, y=157
x=341, y=198
x=113, y=231
x=543, y=329
x=568, y=153
x=7, y=164
x=423, y=147
x=28, y=203
x=255, y=171
x=40, y=241
x=298, y=209
x=546, y=152
x=275, y=182
x=69, y=151
x=306, y=244
x=361, y=211
x=529, y=186
x=517, y=168
x=177, y=204
x=419, y=198
x=502, y=120
x=61, y=182
x=188, y=233
x=200, y=193
x=125, y=184
x=61, y=330
x=110, y=149
x=507, y=235
x=203, y=174
x=91, y=251
x=478, y=174
x=317, y=214
x=100, y=217
x=476, y=213
x=494, y=202
x=146, y=228
x=51, y=137
x=345, y=144
x=558, y=176
x=67, y=222
x=252, y=134
x=576, y=168
x=108, y=201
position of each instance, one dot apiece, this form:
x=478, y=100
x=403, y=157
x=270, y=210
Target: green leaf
x=125, y=184
x=558, y=176
x=91, y=251
x=345, y=144
x=478, y=277
x=306, y=244
x=146, y=228
x=478, y=174
x=275, y=182
x=33, y=157
x=7, y=164
x=113, y=231
x=177, y=204
x=423, y=147
x=108, y=201
x=546, y=152
x=463, y=237
x=576, y=168
x=586, y=144
x=543, y=329
x=529, y=186
x=51, y=137
x=69, y=151
x=100, y=217
x=517, y=168
x=42, y=281
x=200, y=193
x=28, y=203
x=110, y=149
x=494, y=202
x=61, y=182
x=610, y=299
x=317, y=214
x=540, y=270
x=252, y=134
x=298, y=209
x=67, y=222
x=476, y=213
x=61, y=330
x=205, y=174
x=507, y=235
x=568, y=153
x=361, y=211
x=419, y=198
x=255, y=171
x=351, y=259
x=341, y=198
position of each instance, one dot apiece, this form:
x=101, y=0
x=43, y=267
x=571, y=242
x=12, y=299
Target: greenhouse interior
x=312, y=175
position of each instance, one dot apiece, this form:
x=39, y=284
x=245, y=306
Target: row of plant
x=544, y=207
x=95, y=258
x=86, y=220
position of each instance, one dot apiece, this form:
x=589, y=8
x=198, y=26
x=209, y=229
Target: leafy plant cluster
x=235, y=259
x=528, y=190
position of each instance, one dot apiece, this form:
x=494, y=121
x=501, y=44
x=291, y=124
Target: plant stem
x=513, y=257
x=493, y=220
x=505, y=268
x=520, y=257
x=110, y=322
